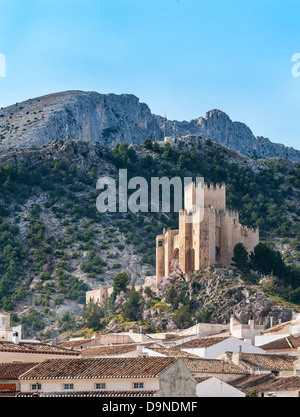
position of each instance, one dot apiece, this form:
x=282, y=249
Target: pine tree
x=240, y=257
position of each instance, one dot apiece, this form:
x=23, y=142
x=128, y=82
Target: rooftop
x=284, y=383
x=217, y=366
x=141, y=367
x=173, y=352
x=117, y=349
x=268, y=362
x=285, y=343
x=202, y=342
x=90, y=394
x=27, y=347
x=14, y=370
x=282, y=326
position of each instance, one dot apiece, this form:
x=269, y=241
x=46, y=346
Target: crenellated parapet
x=207, y=233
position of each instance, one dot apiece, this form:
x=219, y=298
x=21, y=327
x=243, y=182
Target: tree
x=132, y=307
x=266, y=260
x=240, y=257
x=92, y=314
x=147, y=144
x=66, y=322
x=120, y=283
x=182, y=317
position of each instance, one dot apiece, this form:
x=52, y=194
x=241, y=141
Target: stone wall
x=208, y=240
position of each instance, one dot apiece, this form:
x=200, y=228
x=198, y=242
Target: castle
x=207, y=233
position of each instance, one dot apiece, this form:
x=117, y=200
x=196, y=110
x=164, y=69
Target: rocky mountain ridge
x=110, y=118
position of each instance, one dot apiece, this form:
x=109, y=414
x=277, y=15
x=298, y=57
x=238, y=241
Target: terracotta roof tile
x=27, y=347
x=74, y=343
x=148, y=367
x=201, y=342
x=109, y=350
x=201, y=365
x=14, y=370
x=268, y=361
x=136, y=393
x=249, y=382
x=284, y=383
x=173, y=352
x=284, y=343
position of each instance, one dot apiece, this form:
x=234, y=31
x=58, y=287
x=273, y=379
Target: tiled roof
x=249, y=382
x=285, y=343
x=284, y=383
x=136, y=393
x=281, y=326
x=148, y=367
x=109, y=350
x=173, y=352
x=217, y=366
x=14, y=370
x=77, y=344
x=268, y=362
x=26, y=347
x=202, y=342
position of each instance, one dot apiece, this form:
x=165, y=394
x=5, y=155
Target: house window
x=36, y=387
x=100, y=386
x=68, y=386
x=138, y=385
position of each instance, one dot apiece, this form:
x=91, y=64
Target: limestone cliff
x=111, y=118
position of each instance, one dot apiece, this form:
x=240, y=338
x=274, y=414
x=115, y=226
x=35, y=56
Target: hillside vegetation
x=55, y=245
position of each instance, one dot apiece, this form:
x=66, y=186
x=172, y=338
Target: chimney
x=236, y=357
x=251, y=322
x=15, y=338
x=271, y=321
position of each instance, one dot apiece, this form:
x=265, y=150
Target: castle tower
x=207, y=233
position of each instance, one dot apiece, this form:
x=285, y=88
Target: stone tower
x=207, y=234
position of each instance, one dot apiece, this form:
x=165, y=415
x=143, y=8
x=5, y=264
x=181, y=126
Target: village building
x=280, y=387
x=278, y=365
x=288, y=345
x=204, y=368
x=16, y=352
x=9, y=377
x=278, y=331
x=214, y=387
x=167, y=377
x=130, y=350
x=212, y=347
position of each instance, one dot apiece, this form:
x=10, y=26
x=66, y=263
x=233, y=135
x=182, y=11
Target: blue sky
x=181, y=57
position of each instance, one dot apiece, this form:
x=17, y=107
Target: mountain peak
x=111, y=118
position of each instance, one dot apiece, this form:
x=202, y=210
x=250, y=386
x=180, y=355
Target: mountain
x=110, y=118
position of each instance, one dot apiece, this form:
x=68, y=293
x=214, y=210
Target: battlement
x=205, y=195
x=208, y=237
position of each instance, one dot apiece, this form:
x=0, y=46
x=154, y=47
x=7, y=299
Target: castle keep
x=208, y=239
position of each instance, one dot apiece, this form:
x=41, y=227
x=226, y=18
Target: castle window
x=160, y=243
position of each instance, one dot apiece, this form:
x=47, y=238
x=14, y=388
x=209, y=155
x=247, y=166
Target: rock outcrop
x=110, y=118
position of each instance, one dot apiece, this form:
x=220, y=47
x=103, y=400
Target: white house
x=214, y=387
x=166, y=377
x=212, y=347
x=279, y=331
